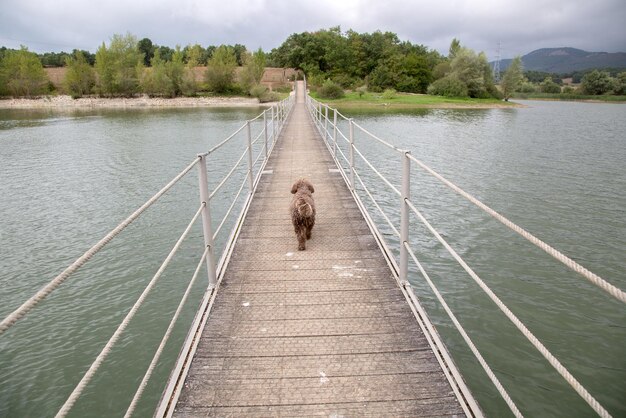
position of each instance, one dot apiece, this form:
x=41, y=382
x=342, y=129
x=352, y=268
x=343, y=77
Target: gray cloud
x=520, y=25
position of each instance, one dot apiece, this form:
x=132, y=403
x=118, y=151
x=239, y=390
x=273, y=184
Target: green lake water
x=557, y=169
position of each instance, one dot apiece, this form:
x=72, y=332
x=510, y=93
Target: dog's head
x=302, y=183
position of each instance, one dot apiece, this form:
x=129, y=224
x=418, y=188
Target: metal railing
x=341, y=145
x=260, y=135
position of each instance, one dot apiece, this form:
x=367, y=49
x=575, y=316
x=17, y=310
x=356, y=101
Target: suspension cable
x=109, y=345
x=525, y=331
x=592, y=277
x=382, y=212
x=466, y=337
x=12, y=318
x=168, y=332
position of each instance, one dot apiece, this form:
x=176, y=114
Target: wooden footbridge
x=335, y=330
x=326, y=331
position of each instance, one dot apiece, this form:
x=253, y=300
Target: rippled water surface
x=557, y=169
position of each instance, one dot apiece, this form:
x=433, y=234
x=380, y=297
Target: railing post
x=250, y=179
x=273, y=127
x=265, y=131
x=206, y=220
x=335, y=134
x=351, y=154
x=404, y=216
x=326, y=123
x=319, y=115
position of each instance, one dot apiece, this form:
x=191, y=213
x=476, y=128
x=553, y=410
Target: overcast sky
x=521, y=26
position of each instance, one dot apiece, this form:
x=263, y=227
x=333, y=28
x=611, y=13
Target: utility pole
x=496, y=65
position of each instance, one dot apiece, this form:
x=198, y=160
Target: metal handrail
x=321, y=121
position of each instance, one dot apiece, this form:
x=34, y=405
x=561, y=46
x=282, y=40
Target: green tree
x=597, y=82
x=155, y=80
x=146, y=47
x=455, y=48
x=22, y=74
x=176, y=70
x=194, y=56
x=466, y=67
x=448, y=86
x=240, y=52
x=79, y=77
x=620, y=84
x=549, y=86
x=220, y=70
x=469, y=73
x=119, y=66
x=512, y=78
x=253, y=69
x=53, y=59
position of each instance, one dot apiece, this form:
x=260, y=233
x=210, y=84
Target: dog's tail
x=305, y=209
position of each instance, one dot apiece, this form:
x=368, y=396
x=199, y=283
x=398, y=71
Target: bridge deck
x=322, y=331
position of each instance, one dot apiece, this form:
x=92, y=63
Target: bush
x=389, y=94
x=285, y=88
x=330, y=90
x=257, y=91
x=449, y=86
x=549, y=86
x=21, y=74
x=527, y=87
x=597, y=82
x=344, y=80
x=269, y=96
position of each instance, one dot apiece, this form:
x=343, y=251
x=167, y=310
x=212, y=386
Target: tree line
x=331, y=59
x=119, y=69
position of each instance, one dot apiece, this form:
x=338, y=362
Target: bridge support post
x=265, y=131
x=273, y=127
x=326, y=123
x=206, y=220
x=404, y=216
x=335, y=133
x=351, y=154
x=250, y=178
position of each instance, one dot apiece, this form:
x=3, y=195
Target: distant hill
x=568, y=60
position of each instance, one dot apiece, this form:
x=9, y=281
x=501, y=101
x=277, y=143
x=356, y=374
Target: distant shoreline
x=66, y=102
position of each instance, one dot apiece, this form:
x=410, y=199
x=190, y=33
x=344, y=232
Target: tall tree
x=79, y=77
x=119, y=66
x=253, y=69
x=176, y=70
x=220, y=70
x=455, y=47
x=21, y=73
x=512, y=78
x=146, y=47
x=155, y=80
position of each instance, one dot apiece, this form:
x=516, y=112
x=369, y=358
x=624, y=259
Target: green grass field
x=570, y=97
x=409, y=101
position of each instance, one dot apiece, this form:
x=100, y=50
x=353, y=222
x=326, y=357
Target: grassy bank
x=570, y=97
x=352, y=100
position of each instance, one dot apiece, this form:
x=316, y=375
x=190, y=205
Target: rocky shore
x=66, y=102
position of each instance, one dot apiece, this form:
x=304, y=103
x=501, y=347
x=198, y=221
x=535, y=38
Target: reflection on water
x=557, y=169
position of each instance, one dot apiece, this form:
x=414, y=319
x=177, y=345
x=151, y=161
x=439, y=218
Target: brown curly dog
x=302, y=211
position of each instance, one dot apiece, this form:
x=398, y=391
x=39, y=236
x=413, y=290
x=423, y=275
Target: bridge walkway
x=326, y=331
